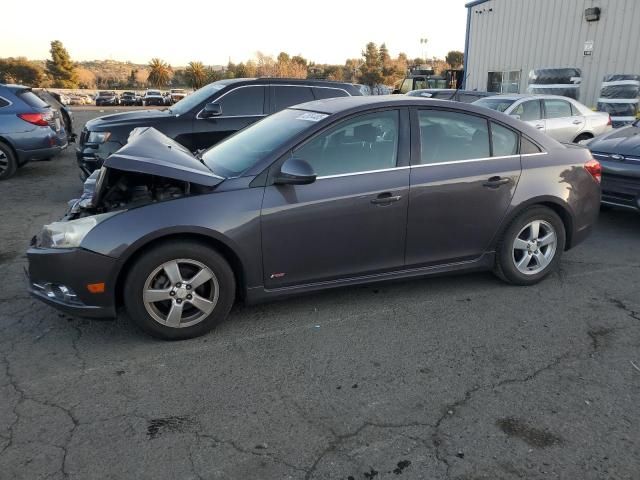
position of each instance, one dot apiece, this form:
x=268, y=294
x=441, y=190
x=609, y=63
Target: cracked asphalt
x=457, y=377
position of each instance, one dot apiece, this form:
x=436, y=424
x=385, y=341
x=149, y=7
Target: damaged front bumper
x=60, y=278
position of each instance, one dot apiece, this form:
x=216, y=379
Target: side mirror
x=211, y=110
x=295, y=172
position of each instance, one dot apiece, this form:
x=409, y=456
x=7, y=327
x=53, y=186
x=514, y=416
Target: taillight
x=609, y=122
x=594, y=168
x=40, y=119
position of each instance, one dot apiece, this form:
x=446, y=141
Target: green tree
x=385, y=58
x=300, y=60
x=159, y=73
x=60, y=68
x=371, y=69
x=455, y=58
x=22, y=71
x=197, y=74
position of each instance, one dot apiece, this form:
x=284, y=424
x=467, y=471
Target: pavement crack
x=623, y=306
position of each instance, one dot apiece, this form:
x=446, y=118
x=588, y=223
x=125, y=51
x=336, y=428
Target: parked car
x=76, y=100
x=464, y=96
x=29, y=129
x=128, y=98
x=619, y=153
x=108, y=97
x=139, y=101
x=177, y=94
x=153, y=97
x=324, y=194
x=204, y=117
x=64, y=111
x=562, y=118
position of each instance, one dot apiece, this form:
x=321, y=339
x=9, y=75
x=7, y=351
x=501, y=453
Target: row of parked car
x=128, y=98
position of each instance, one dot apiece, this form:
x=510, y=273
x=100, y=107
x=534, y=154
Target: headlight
x=98, y=137
x=69, y=234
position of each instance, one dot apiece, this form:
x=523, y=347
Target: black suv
x=206, y=116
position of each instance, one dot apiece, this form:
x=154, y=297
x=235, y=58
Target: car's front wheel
x=179, y=290
x=531, y=246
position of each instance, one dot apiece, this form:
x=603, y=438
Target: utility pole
x=423, y=43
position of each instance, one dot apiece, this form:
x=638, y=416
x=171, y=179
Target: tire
x=8, y=162
x=536, y=261
x=583, y=136
x=148, y=274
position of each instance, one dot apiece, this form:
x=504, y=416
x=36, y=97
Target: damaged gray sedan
x=325, y=194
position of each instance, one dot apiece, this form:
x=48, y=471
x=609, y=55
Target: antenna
x=464, y=82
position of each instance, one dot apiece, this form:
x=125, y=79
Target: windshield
x=153, y=92
x=241, y=151
x=106, y=94
x=191, y=101
x=498, y=104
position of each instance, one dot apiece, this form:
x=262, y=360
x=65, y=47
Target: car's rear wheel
x=583, y=136
x=531, y=246
x=179, y=290
x=8, y=163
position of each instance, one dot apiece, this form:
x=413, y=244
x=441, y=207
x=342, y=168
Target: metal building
x=507, y=39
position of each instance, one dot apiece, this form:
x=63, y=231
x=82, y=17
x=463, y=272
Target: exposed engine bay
x=109, y=189
x=150, y=168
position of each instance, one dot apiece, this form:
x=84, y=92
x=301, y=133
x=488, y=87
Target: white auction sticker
x=312, y=116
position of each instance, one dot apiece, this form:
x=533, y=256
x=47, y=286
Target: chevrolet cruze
x=329, y=193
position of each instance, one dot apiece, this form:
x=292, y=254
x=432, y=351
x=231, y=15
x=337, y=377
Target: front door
x=530, y=111
x=461, y=187
x=240, y=108
x=352, y=220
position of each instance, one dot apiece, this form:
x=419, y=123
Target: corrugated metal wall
x=528, y=34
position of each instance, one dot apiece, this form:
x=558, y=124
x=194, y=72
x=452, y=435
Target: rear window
x=288, y=96
x=31, y=99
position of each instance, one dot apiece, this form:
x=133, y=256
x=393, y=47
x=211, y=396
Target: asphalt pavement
x=459, y=377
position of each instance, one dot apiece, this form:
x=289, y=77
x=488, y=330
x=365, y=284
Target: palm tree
x=159, y=72
x=197, y=74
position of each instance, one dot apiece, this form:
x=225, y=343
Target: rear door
x=561, y=123
x=352, y=220
x=462, y=181
x=240, y=107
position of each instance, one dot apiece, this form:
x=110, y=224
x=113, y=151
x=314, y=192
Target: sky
x=213, y=32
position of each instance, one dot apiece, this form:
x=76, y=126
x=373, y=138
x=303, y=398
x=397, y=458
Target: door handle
x=539, y=126
x=386, y=199
x=495, y=182
x=577, y=122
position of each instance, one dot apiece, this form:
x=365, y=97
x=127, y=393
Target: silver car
x=562, y=118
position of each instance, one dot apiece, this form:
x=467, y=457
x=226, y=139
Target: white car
x=562, y=118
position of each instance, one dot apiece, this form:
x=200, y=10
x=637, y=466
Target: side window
x=407, y=85
x=3, y=102
x=574, y=111
x=557, y=108
x=322, y=93
x=449, y=136
x=528, y=147
x=287, y=96
x=367, y=142
x=243, y=101
x=504, y=141
x=528, y=111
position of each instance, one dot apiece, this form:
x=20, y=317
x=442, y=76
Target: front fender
x=231, y=218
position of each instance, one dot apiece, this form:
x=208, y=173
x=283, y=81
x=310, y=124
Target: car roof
x=285, y=81
x=521, y=96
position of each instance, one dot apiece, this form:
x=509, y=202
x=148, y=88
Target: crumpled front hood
x=623, y=141
x=151, y=152
x=137, y=117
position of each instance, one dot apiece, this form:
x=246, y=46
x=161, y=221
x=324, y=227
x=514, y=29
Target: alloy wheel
x=181, y=293
x=4, y=162
x=534, y=247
